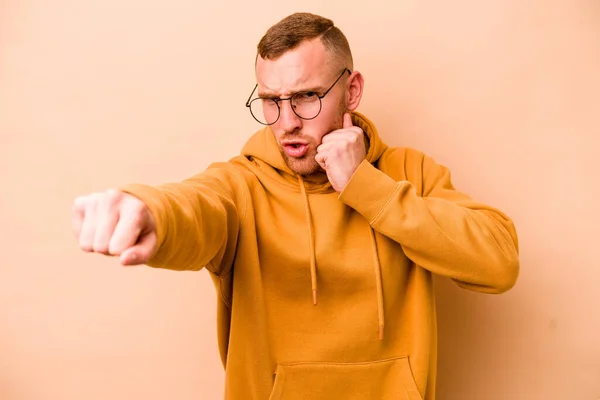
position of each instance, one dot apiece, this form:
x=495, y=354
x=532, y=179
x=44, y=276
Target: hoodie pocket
x=382, y=380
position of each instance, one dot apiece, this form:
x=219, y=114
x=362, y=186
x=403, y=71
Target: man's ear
x=354, y=90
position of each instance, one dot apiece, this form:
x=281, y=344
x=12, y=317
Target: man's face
x=305, y=68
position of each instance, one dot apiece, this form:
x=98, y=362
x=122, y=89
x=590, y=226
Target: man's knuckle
x=92, y=201
x=138, y=212
x=112, y=197
x=79, y=202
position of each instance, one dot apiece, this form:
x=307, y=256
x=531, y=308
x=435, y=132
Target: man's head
x=303, y=56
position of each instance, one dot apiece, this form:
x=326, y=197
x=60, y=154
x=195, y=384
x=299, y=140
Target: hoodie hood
x=262, y=148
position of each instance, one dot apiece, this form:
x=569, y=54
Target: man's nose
x=288, y=120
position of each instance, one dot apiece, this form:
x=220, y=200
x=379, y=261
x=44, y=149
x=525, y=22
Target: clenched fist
x=115, y=223
x=341, y=152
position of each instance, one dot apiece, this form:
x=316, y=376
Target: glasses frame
x=278, y=100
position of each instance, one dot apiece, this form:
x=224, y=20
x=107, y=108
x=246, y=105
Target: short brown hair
x=294, y=29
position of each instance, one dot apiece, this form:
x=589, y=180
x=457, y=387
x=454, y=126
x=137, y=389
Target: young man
x=321, y=241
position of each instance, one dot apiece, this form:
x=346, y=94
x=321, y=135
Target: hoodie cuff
x=369, y=191
x=156, y=202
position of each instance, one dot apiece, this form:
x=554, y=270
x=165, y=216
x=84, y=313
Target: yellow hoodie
x=275, y=244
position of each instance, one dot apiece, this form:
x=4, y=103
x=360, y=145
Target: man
x=321, y=241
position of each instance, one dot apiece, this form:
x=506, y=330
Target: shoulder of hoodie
x=231, y=177
x=237, y=174
x=238, y=167
x=410, y=164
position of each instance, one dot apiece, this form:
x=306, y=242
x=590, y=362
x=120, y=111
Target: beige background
x=95, y=94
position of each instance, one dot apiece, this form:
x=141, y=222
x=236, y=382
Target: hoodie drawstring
x=378, y=283
x=313, y=261
x=311, y=236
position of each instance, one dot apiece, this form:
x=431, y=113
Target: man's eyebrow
x=268, y=94
x=316, y=89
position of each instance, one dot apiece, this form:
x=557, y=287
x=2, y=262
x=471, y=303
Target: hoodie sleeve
x=439, y=228
x=197, y=220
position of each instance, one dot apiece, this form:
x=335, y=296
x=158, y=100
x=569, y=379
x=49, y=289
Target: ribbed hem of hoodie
x=369, y=191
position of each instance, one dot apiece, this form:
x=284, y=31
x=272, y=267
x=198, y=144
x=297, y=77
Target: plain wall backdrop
x=94, y=94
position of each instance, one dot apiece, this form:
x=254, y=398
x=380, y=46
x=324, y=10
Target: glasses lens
x=306, y=105
x=265, y=111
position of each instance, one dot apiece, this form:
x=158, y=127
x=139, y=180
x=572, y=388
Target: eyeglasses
x=306, y=105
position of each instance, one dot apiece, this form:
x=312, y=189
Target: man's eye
x=268, y=103
x=306, y=96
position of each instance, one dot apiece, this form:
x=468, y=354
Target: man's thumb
x=347, y=121
x=141, y=252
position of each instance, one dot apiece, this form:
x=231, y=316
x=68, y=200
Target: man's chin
x=303, y=166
